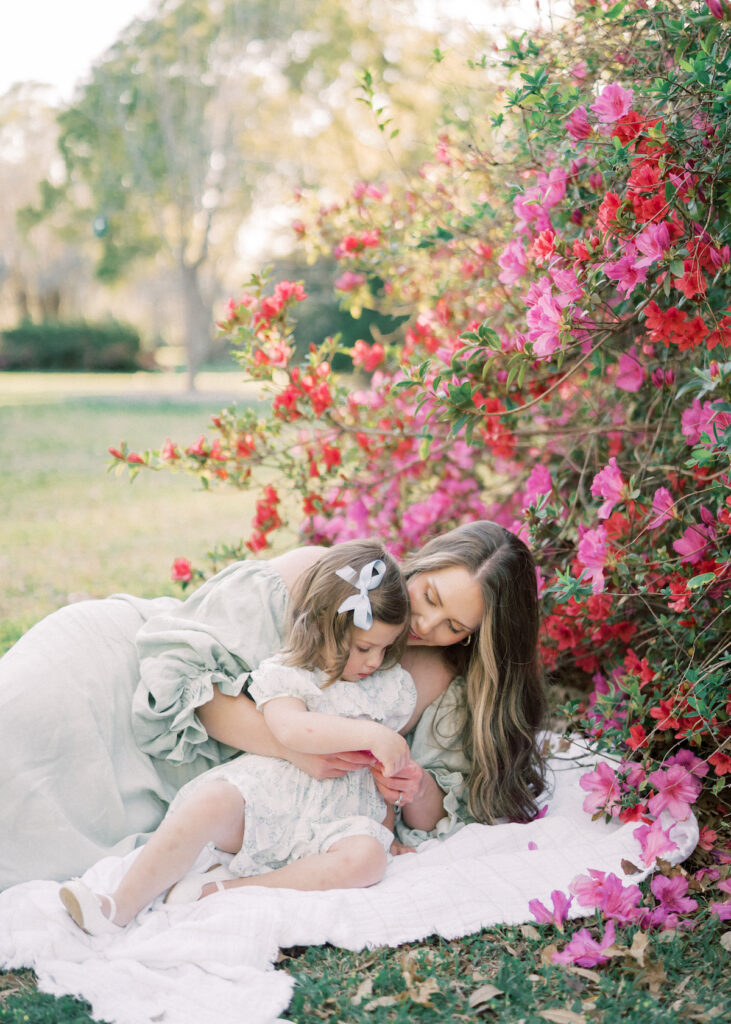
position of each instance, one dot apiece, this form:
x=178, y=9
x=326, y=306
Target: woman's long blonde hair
x=506, y=702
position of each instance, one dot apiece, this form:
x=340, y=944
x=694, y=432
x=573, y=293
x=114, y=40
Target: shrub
x=53, y=345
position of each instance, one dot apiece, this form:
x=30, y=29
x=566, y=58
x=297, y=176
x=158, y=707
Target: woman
x=108, y=707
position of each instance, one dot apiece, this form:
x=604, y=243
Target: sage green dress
x=98, y=724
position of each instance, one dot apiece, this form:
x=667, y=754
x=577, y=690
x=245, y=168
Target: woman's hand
x=331, y=766
x=400, y=788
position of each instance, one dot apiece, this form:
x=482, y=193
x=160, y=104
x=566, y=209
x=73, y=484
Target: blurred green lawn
x=70, y=527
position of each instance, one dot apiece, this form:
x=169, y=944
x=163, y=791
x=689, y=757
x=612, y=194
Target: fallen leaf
x=547, y=954
x=529, y=932
x=655, y=978
x=558, y=1015
x=681, y=986
x=362, y=992
x=584, y=972
x=638, y=947
x=534, y=977
x=726, y=940
x=629, y=868
x=421, y=991
x=381, y=1001
x=482, y=995
x=511, y=950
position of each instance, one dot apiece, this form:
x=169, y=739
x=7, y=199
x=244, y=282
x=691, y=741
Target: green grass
x=69, y=528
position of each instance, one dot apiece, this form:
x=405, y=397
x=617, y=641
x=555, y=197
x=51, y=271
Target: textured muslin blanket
x=211, y=962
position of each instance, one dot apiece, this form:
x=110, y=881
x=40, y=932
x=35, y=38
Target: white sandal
x=189, y=888
x=85, y=908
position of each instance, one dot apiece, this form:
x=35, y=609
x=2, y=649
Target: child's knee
x=218, y=799
x=361, y=861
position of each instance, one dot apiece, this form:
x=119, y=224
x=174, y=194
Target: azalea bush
x=562, y=268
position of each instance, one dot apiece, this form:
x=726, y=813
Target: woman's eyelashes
x=430, y=600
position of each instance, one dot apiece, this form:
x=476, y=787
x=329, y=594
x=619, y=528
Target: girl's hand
x=391, y=749
x=402, y=787
x=331, y=766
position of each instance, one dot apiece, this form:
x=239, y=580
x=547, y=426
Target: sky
x=57, y=41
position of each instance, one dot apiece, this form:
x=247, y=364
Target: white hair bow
x=370, y=577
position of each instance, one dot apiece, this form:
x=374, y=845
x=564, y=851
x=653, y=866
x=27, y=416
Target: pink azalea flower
x=695, y=765
x=655, y=841
x=717, y=8
x=539, y=482
x=592, y=553
x=662, y=505
x=585, y=950
x=630, y=373
x=676, y=789
x=692, y=545
x=653, y=243
x=625, y=271
x=544, y=317
x=578, y=125
x=608, y=894
x=603, y=789
x=722, y=910
x=349, y=280
x=671, y=893
x=703, y=419
x=613, y=102
x=558, y=915
x=608, y=484
x=513, y=261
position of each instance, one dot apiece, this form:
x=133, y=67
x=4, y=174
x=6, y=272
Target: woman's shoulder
x=292, y=564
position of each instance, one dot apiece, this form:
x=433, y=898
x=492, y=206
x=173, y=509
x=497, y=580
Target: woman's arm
x=427, y=807
x=312, y=732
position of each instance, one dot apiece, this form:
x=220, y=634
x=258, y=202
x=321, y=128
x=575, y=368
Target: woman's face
x=446, y=606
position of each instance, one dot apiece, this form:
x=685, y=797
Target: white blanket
x=212, y=962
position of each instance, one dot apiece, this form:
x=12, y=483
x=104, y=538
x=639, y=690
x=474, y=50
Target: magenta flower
x=513, y=261
x=692, y=545
x=676, y=789
x=671, y=893
x=695, y=765
x=614, y=102
x=592, y=553
x=654, y=841
x=625, y=271
x=349, y=280
x=630, y=373
x=586, y=951
x=539, y=482
x=558, y=915
x=544, y=317
x=603, y=789
x=578, y=125
x=608, y=484
x=662, y=505
x=653, y=243
x=722, y=910
x=717, y=8
x=608, y=894
x=703, y=419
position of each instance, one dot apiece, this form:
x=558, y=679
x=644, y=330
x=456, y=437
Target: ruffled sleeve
x=436, y=746
x=213, y=639
x=273, y=679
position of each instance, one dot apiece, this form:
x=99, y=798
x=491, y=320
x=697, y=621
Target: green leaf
x=700, y=581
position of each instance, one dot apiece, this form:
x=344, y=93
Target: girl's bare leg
x=214, y=813
x=351, y=863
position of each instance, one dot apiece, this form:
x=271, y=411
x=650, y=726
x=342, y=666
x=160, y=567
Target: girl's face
x=446, y=606
x=367, y=650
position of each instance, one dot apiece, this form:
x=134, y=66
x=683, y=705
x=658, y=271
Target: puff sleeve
x=212, y=639
x=435, y=745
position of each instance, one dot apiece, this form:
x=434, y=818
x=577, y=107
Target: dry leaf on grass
x=585, y=972
x=629, y=868
x=422, y=991
x=726, y=940
x=362, y=992
x=557, y=1015
x=482, y=996
x=529, y=932
x=381, y=1001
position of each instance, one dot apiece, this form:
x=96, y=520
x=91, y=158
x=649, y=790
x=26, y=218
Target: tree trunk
x=198, y=321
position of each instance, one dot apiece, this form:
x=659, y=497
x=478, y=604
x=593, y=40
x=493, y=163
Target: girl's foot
x=194, y=886
x=93, y=914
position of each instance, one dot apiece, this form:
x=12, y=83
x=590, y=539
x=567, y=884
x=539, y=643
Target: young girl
x=322, y=694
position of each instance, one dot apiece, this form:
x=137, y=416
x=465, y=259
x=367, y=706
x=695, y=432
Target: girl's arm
x=312, y=732
x=237, y=722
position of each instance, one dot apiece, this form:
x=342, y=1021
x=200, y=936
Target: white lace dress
x=288, y=814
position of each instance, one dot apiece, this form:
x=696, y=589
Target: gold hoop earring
x=467, y=640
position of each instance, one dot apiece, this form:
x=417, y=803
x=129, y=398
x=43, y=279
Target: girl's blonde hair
x=506, y=702
x=319, y=635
